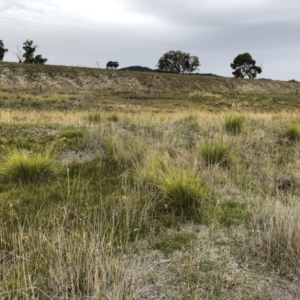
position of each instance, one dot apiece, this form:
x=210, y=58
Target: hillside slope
x=48, y=76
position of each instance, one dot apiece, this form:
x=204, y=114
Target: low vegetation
x=20, y=166
x=292, y=131
x=116, y=196
x=215, y=153
x=234, y=124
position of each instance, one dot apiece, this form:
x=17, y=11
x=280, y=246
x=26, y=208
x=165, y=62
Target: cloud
x=27, y=8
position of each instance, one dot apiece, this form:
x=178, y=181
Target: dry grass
x=137, y=213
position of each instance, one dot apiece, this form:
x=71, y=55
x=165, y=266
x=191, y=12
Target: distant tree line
x=180, y=63
x=177, y=62
x=26, y=56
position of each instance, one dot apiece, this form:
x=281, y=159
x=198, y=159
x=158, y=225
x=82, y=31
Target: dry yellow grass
x=73, y=117
x=95, y=233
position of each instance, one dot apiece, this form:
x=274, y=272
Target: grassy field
x=150, y=100
x=149, y=195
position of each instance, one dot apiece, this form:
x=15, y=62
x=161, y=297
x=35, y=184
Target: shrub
x=234, y=124
x=20, y=166
x=292, y=131
x=215, y=153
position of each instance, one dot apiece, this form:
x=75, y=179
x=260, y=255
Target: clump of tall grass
x=183, y=191
x=292, y=132
x=180, y=192
x=94, y=117
x=215, y=153
x=21, y=166
x=114, y=117
x=124, y=151
x=277, y=242
x=234, y=124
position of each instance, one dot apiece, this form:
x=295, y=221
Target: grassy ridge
x=47, y=77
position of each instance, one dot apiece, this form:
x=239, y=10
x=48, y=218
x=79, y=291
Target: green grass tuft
x=114, y=118
x=179, y=192
x=215, y=153
x=292, y=132
x=184, y=192
x=94, y=118
x=234, y=124
x=20, y=166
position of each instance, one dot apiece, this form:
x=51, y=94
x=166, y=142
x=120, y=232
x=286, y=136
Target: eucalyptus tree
x=112, y=65
x=244, y=65
x=178, y=62
x=2, y=50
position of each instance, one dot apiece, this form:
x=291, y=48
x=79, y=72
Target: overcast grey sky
x=139, y=32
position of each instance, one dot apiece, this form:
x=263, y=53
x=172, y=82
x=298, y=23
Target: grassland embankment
x=49, y=76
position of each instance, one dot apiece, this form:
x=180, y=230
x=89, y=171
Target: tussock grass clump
x=20, y=166
x=123, y=151
x=114, y=117
x=179, y=192
x=278, y=242
x=94, y=118
x=184, y=192
x=215, y=153
x=234, y=124
x=292, y=132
